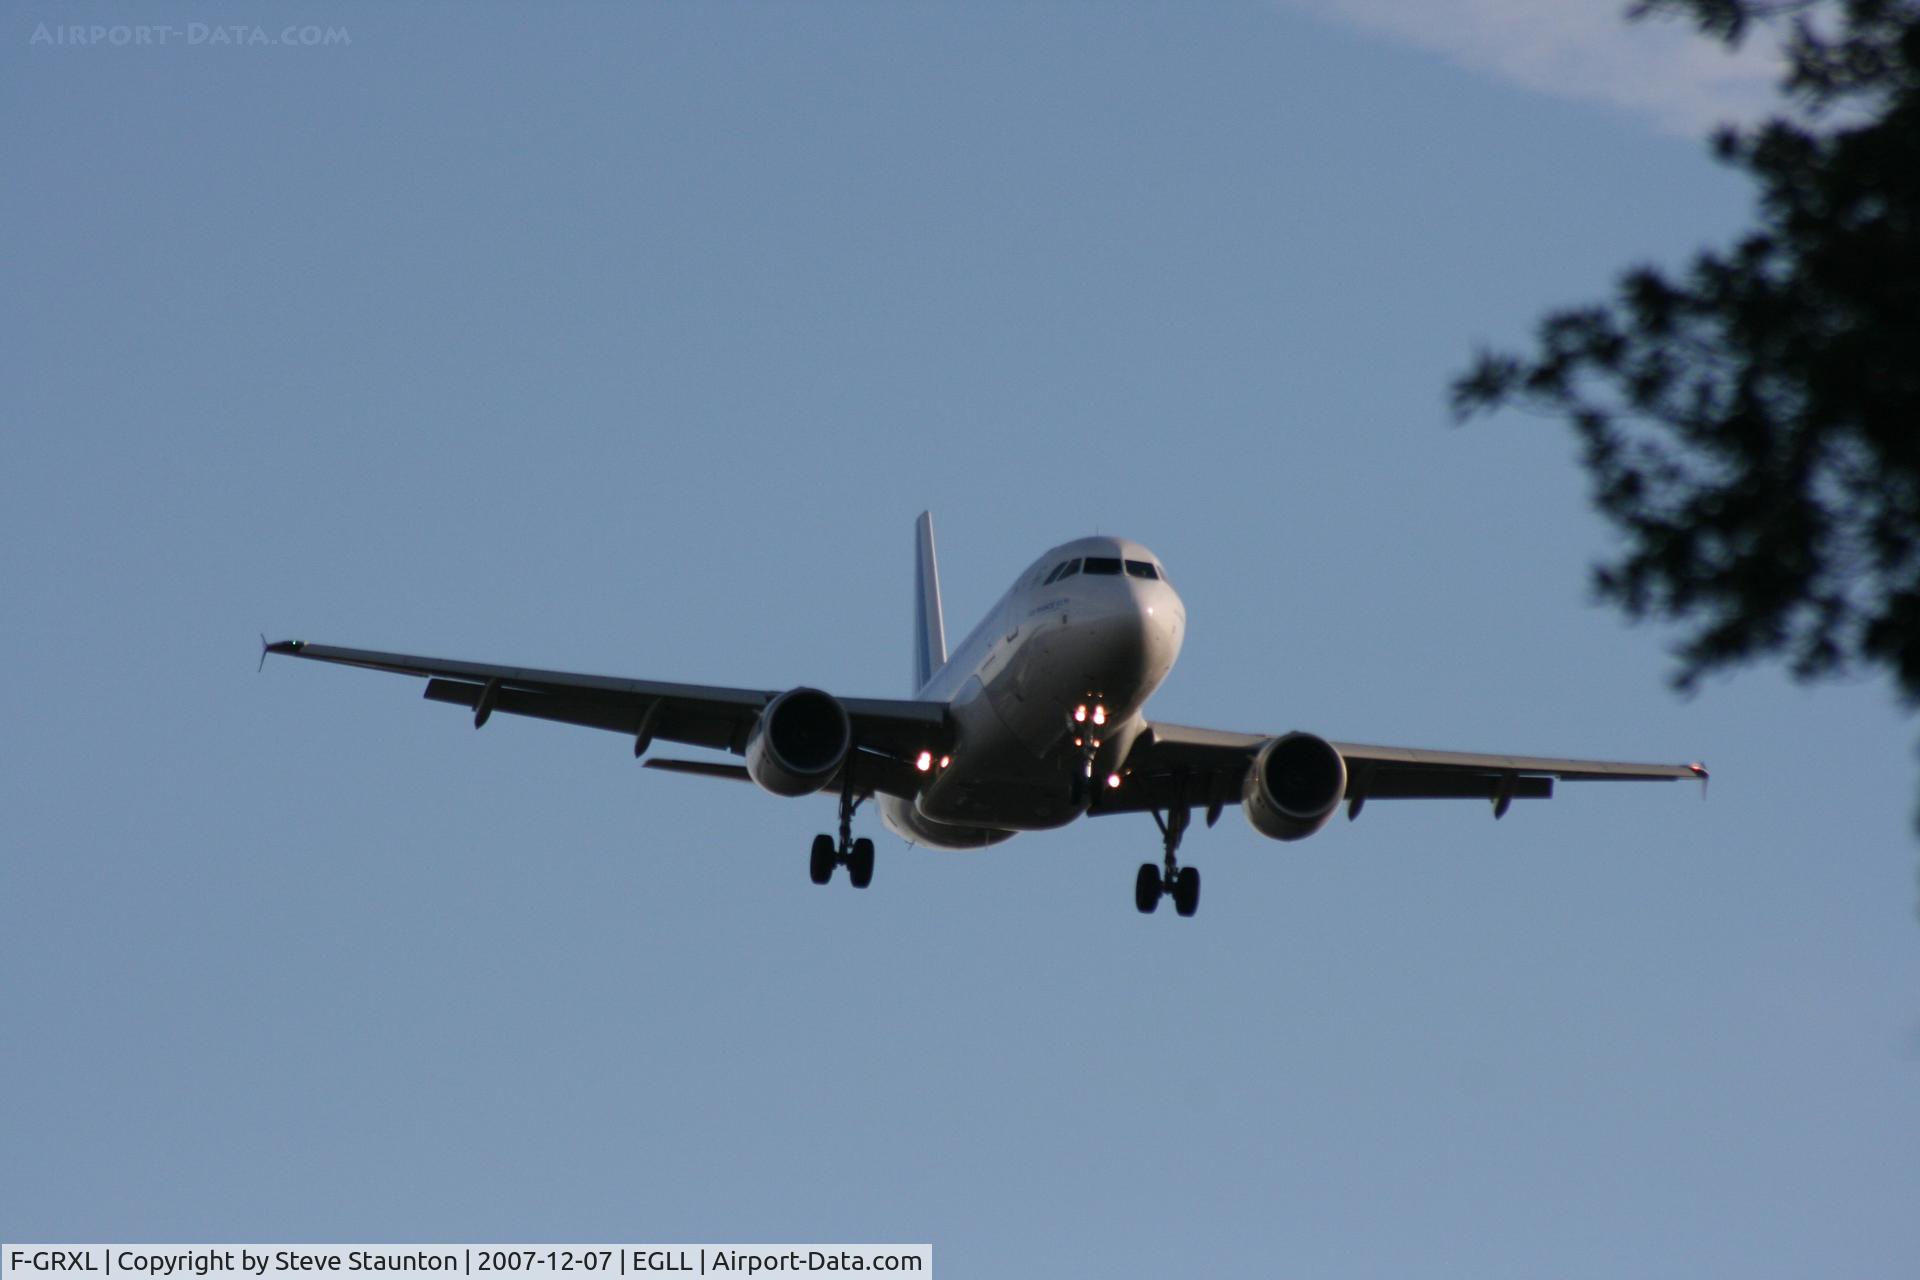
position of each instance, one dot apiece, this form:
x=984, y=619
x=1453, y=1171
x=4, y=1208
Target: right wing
x=888, y=733
x=1174, y=764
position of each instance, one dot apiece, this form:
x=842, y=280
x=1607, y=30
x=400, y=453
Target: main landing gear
x=1183, y=883
x=855, y=855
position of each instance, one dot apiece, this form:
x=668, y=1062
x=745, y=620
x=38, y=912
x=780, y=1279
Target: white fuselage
x=1102, y=641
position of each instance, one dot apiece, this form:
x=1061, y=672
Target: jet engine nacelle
x=799, y=742
x=1294, y=786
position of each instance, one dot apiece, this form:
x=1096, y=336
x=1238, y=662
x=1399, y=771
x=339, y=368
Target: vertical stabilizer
x=929, y=627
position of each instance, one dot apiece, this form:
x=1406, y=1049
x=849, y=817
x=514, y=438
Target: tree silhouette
x=1753, y=426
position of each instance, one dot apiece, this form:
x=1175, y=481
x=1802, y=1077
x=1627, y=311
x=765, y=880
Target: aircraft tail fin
x=929, y=627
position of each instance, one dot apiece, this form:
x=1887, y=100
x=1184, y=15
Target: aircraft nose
x=1131, y=633
x=1145, y=635
x=1163, y=624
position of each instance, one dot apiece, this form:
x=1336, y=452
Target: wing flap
x=674, y=722
x=871, y=773
x=1439, y=784
x=703, y=769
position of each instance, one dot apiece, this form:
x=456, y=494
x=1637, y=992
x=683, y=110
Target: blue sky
x=630, y=340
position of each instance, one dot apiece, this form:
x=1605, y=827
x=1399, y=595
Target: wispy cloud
x=1659, y=69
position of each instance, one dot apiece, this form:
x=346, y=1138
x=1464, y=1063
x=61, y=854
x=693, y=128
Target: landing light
x=945, y=761
x=1099, y=715
x=925, y=762
x=1113, y=780
x=1080, y=714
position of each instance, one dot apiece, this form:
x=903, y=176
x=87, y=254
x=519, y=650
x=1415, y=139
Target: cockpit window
x=1141, y=569
x=1073, y=567
x=1056, y=572
x=1102, y=564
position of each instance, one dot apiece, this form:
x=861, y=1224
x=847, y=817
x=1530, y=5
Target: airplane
x=1036, y=719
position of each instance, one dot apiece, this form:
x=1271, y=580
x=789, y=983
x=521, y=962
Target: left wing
x=1173, y=765
x=888, y=733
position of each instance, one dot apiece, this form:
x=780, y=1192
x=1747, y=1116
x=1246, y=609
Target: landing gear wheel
x=860, y=863
x=1186, y=891
x=856, y=854
x=1183, y=883
x=1146, y=888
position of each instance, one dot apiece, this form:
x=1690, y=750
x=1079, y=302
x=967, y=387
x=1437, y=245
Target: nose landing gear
x=1182, y=883
x=1086, y=726
x=855, y=855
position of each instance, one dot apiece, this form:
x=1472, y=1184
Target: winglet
x=1700, y=772
x=278, y=646
x=929, y=627
x=263, y=654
